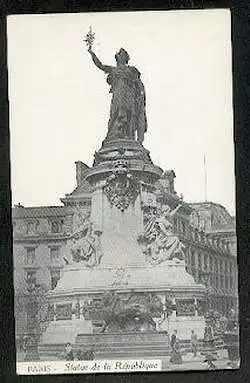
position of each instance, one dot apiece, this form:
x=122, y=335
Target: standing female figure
x=127, y=112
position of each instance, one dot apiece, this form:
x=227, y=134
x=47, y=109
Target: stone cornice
x=40, y=238
x=188, y=292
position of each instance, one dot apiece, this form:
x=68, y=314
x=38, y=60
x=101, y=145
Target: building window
x=206, y=261
x=211, y=263
x=56, y=226
x=226, y=282
x=216, y=281
x=31, y=277
x=216, y=266
x=30, y=255
x=192, y=259
x=226, y=268
x=231, y=282
x=55, y=276
x=199, y=261
x=222, y=282
x=54, y=254
x=196, y=236
x=184, y=228
x=221, y=267
x=230, y=268
x=32, y=227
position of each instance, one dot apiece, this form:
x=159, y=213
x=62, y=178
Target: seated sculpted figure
x=161, y=242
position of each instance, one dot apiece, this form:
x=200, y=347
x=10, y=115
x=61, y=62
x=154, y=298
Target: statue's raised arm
x=98, y=63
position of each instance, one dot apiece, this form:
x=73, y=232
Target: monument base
x=125, y=345
x=112, y=346
x=169, y=281
x=120, y=345
x=64, y=331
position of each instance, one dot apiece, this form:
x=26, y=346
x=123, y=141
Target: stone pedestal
x=66, y=330
x=105, y=253
x=126, y=346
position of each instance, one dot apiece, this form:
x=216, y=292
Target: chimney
x=18, y=206
x=80, y=169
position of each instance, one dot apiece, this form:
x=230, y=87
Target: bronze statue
x=127, y=113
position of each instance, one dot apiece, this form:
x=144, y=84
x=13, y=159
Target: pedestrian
x=79, y=355
x=18, y=343
x=21, y=343
x=194, y=342
x=208, y=336
x=89, y=355
x=173, y=339
x=209, y=348
x=176, y=353
x=69, y=352
x=25, y=343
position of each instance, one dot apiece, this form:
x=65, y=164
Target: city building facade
x=206, y=229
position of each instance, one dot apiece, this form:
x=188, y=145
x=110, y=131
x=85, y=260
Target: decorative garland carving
x=121, y=187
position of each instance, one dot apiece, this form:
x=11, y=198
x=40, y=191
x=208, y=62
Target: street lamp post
x=209, y=348
x=32, y=322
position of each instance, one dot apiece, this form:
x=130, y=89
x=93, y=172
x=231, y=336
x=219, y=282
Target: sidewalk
x=196, y=363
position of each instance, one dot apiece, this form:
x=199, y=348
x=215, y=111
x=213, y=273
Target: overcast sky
x=59, y=101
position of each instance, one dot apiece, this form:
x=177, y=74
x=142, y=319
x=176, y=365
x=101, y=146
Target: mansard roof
x=20, y=211
x=221, y=220
x=216, y=207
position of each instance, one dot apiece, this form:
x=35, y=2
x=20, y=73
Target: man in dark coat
x=69, y=352
x=173, y=339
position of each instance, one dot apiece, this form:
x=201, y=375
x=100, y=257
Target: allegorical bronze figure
x=127, y=112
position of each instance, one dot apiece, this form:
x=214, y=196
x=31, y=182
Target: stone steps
x=132, y=347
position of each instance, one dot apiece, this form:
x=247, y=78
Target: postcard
x=123, y=189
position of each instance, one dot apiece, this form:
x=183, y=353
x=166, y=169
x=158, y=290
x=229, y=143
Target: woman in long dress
x=176, y=357
x=127, y=112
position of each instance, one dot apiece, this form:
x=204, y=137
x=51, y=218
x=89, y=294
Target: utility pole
x=205, y=176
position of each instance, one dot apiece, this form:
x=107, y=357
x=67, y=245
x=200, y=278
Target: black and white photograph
x=123, y=192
